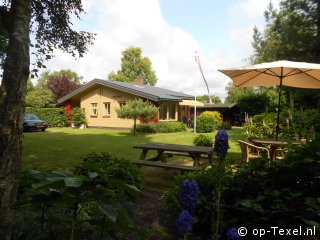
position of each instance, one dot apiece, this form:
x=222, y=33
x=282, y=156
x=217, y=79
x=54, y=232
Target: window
x=163, y=112
x=107, y=110
x=172, y=112
x=168, y=111
x=122, y=103
x=94, y=109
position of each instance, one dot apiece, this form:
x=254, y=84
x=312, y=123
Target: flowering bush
x=215, y=115
x=78, y=116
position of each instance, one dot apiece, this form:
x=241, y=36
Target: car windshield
x=29, y=116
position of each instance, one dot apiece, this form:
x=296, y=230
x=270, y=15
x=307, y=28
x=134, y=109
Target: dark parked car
x=32, y=122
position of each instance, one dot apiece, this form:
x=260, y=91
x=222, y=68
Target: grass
x=62, y=148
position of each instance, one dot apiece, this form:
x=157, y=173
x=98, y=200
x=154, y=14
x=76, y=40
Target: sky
x=170, y=33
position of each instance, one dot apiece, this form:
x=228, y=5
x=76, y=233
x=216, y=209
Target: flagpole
x=195, y=107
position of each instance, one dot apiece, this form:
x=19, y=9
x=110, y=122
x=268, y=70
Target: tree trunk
x=291, y=99
x=134, y=126
x=12, y=104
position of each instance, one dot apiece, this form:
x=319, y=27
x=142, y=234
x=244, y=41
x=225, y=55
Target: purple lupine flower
x=184, y=222
x=221, y=144
x=189, y=193
x=232, y=234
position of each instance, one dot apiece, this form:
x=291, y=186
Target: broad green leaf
x=92, y=174
x=110, y=212
x=75, y=181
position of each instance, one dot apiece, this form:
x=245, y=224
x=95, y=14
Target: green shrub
x=119, y=168
x=225, y=126
x=264, y=126
x=205, y=124
x=303, y=125
x=281, y=193
x=78, y=116
x=161, y=127
x=55, y=117
x=203, y=140
x=89, y=203
x=214, y=115
x=306, y=124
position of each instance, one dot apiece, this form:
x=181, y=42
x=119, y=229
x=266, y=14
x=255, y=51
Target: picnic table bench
x=180, y=167
x=165, y=149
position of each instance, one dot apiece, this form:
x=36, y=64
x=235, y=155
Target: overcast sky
x=169, y=32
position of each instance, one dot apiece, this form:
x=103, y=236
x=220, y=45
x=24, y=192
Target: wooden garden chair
x=279, y=153
x=250, y=150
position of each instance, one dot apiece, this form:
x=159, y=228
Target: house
x=100, y=98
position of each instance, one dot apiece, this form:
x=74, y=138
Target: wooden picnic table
x=195, y=152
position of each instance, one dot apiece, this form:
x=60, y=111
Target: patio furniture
x=250, y=150
x=280, y=73
x=180, y=167
x=275, y=145
x=279, y=153
x=168, y=150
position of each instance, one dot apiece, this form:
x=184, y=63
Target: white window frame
x=94, y=109
x=107, y=108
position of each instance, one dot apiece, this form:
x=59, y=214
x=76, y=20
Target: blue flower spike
x=232, y=234
x=221, y=144
x=189, y=193
x=184, y=222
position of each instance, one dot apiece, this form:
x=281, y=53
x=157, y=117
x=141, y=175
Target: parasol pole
x=278, y=115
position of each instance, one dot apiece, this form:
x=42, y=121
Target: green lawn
x=62, y=148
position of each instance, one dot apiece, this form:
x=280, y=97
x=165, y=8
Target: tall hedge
x=55, y=117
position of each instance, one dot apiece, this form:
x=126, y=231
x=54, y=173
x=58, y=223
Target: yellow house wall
x=100, y=95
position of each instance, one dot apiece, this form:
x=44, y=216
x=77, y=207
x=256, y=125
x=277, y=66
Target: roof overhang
x=217, y=106
x=191, y=103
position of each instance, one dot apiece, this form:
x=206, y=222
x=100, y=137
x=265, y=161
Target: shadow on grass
x=63, y=148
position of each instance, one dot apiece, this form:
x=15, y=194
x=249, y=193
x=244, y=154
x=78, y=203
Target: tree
x=133, y=65
x=234, y=93
x=291, y=33
x=30, y=86
x=137, y=109
x=4, y=35
x=67, y=73
x=50, y=23
x=61, y=86
x=40, y=97
x=205, y=99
